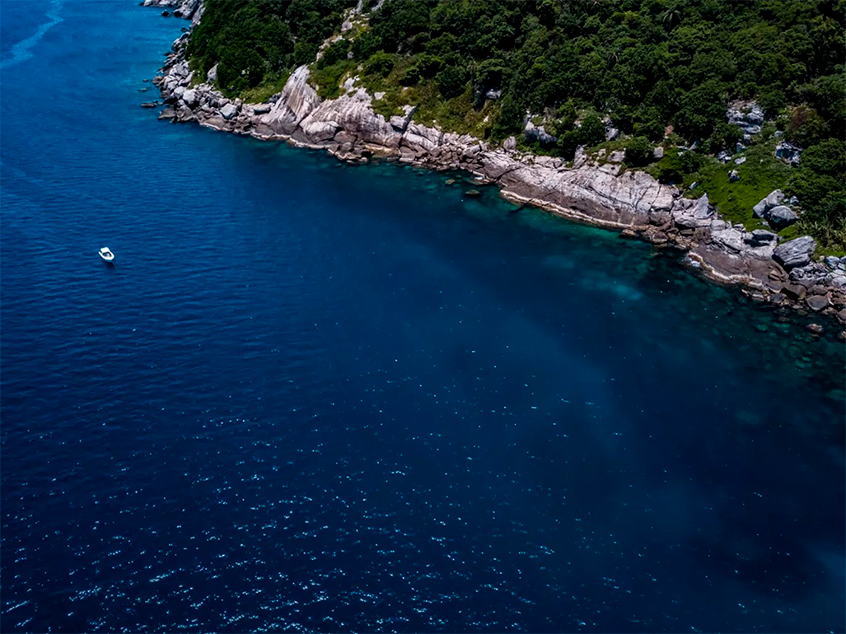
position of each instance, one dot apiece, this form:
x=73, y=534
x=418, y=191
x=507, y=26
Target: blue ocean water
x=313, y=397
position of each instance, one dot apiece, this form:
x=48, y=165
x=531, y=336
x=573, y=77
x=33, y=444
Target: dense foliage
x=648, y=63
x=820, y=183
x=256, y=42
x=482, y=65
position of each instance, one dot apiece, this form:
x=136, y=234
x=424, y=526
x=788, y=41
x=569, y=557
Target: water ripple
x=311, y=397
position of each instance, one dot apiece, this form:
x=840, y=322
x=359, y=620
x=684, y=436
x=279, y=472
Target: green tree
x=805, y=126
x=452, y=81
x=592, y=130
x=639, y=151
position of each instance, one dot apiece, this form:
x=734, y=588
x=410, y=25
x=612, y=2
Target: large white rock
x=781, y=216
x=691, y=214
x=621, y=200
x=729, y=238
x=228, y=111
x=353, y=113
x=295, y=103
x=400, y=123
x=795, y=252
x=190, y=98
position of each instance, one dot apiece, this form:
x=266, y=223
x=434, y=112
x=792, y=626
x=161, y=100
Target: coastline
x=604, y=195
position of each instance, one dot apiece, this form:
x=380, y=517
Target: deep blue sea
x=315, y=397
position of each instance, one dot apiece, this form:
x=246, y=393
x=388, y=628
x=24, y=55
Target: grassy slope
x=759, y=175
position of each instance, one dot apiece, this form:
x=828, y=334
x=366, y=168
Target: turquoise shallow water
x=330, y=398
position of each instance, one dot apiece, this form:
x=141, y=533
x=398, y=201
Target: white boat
x=107, y=255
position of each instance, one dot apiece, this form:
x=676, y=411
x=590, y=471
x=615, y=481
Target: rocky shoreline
x=599, y=194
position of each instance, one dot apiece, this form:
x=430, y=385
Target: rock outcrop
x=774, y=211
x=781, y=216
x=746, y=115
x=795, y=252
x=788, y=152
x=188, y=9
x=599, y=194
x=773, y=199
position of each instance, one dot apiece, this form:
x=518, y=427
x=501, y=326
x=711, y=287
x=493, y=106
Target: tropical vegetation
x=659, y=71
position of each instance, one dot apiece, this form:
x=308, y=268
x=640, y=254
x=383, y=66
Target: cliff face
x=349, y=128
x=600, y=194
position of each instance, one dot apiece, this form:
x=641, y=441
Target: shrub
x=366, y=44
x=592, y=130
x=652, y=130
x=490, y=73
x=703, y=108
x=380, y=64
x=818, y=180
x=334, y=53
x=304, y=53
x=723, y=137
x=828, y=158
x=675, y=166
x=623, y=118
x=509, y=118
x=804, y=126
x=639, y=151
x=568, y=142
x=771, y=99
x=451, y=81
